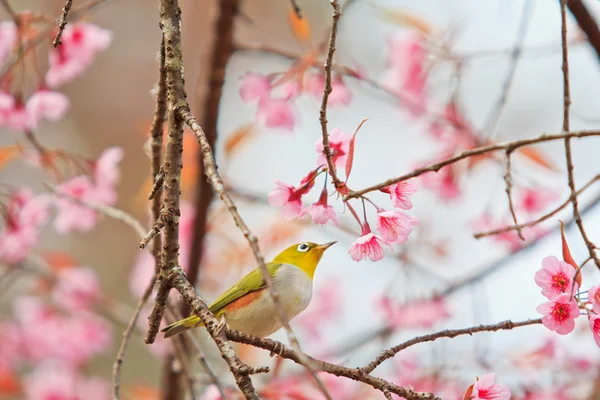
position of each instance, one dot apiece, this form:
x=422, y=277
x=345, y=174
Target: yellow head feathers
x=305, y=256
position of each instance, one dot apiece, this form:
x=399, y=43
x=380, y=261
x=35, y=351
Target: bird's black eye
x=303, y=247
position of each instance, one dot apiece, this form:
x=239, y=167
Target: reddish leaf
x=300, y=27
x=469, y=393
x=537, y=157
x=350, y=159
x=238, y=138
x=567, y=253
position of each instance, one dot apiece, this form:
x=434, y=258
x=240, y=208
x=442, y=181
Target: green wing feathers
x=251, y=282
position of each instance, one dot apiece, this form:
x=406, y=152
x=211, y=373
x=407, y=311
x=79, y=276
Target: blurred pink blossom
x=321, y=212
x=400, y=194
x=288, y=198
x=24, y=216
x=367, y=245
x=70, y=215
x=486, y=388
x=339, y=143
x=555, y=277
x=141, y=273
x=594, y=322
x=395, y=227
x=414, y=314
x=535, y=199
x=275, y=113
x=80, y=44
x=8, y=37
x=315, y=85
x=17, y=118
x=559, y=314
x=255, y=87
x=594, y=297
x=46, y=104
x=76, y=289
x=11, y=350
x=551, y=394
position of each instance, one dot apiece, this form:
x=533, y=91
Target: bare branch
x=511, y=206
x=62, y=23
x=586, y=22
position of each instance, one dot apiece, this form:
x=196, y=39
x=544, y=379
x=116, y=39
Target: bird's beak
x=325, y=246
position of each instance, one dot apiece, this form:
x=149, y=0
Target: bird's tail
x=181, y=326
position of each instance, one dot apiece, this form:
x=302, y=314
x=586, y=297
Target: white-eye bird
x=247, y=306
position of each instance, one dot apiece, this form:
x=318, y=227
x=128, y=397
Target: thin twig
x=565, y=127
x=126, y=335
x=587, y=23
x=159, y=179
x=447, y=333
x=511, y=205
x=479, y=235
x=62, y=23
x=157, y=226
x=470, y=153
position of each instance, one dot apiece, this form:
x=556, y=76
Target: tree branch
x=587, y=23
x=62, y=23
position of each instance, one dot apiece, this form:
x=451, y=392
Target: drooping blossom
x=407, y=73
x=8, y=37
x=339, y=144
x=46, y=104
x=414, y=314
x=70, y=215
x=559, y=314
x=57, y=381
x=395, y=227
x=367, y=245
x=535, y=199
x=17, y=118
x=276, y=113
x=80, y=44
x=555, y=277
x=594, y=322
x=594, y=297
x=321, y=212
x=255, y=87
x=486, y=388
x=76, y=289
x=315, y=84
x=400, y=194
x=289, y=198
x=24, y=215
x=324, y=307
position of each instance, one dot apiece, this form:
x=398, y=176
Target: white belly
x=260, y=318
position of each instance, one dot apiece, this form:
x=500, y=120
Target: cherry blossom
x=288, y=198
x=443, y=182
x=46, y=104
x=340, y=95
x=555, y=277
x=559, y=314
x=594, y=297
x=415, y=314
x=367, y=245
x=321, y=212
x=400, y=194
x=535, y=199
x=17, y=118
x=76, y=289
x=107, y=175
x=275, y=113
x=255, y=87
x=70, y=215
x=8, y=37
x=24, y=216
x=486, y=388
x=80, y=44
x=594, y=322
x=395, y=227
x=339, y=143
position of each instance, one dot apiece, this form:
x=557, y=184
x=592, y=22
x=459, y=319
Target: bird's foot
x=277, y=350
x=222, y=324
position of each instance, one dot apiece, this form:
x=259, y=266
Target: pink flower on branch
x=315, y=84
x=555, y=277
x=395, y=227
x=367, y=245
x=559, y=314
x=76, y=289
x=594, y=297
x=321, y=212
x=255, y=87
x=535, y=199
x=275, y=113
x=486, y=388
x=46, y=104
x=400, y=194
x=80, y=44
x=339, y=143
x=594, y=322
x=289, y=198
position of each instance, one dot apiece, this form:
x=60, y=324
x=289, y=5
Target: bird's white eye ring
x=303, y=247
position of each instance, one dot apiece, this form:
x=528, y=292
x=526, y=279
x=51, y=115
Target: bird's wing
x=252, y=282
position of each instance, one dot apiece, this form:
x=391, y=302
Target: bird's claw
x=277, y=350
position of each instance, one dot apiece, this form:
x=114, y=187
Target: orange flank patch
x=244, y=301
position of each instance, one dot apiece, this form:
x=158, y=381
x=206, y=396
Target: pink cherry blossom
x=555, y=277
x=7, y=103
x=24, y=216
x=400, y=194
x=255, y=87
x=8, y=37
x=367, y=245
x=407, y=73
x=288, y=198
x=17, y=118
x=56, y=381
x=395, y=227
x=11, y=346
x=339, y=143
x=107, y=175
x=486, y=388
x=275, y=113
x=76, y=289
x=46, y=104
x=89, y=336
x=415, y=314
x=321, y=212
x=535, y=199
x=594, y=297
x=594, y=322
x=315, y=84
x=80, y=44
x=443, y=182
x=70, y=215
x=559, y=314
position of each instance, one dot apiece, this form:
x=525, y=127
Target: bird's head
x=305, y=256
